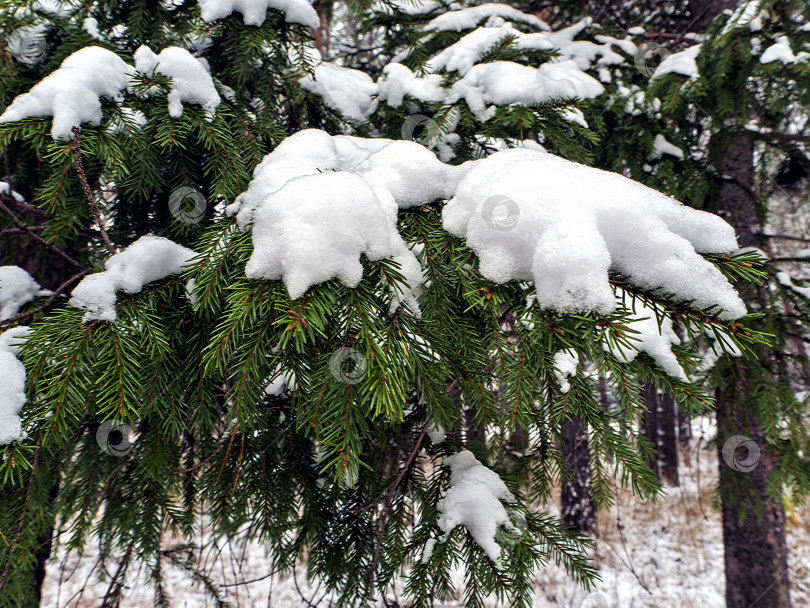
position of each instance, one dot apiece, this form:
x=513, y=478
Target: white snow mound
x=254, y=12
x=473, y=500
x=17, y=288
x=532, y=216
x=72, y=93
x=191, y=82
x=12, y=381
x=150, y=258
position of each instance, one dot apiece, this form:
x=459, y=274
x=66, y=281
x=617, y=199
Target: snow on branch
x=72, y=94
x=17, y=288
x=12, y=381
x=473, y=500
x=150, y=258
x=466, y=18
x=318, y=202
x=191, y=82
x=530, y=215
x=254, y=12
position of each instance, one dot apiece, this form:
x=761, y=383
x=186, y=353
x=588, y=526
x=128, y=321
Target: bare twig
x=77, y=153
x=36, y=237
x=389, y=499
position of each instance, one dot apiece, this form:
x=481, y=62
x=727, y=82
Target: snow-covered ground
x=663, y=555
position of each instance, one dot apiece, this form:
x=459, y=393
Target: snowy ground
x=664, y=555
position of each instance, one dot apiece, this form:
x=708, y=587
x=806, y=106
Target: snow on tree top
x=72, y=93
x=150, y=258
x=12, y=381
x=254, y=12
x=473, y=500
x=530, y=215
x=191, y=82
x=468, y=18
x=17, y=288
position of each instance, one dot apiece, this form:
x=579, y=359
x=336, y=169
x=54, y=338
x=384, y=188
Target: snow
x=27, y=44
x=90, y=25
x=566, y=363
x=473, y=500
x=150, y=258
x=780, y=51
x=191, y=82
x=505, y=83
x=437, y=434
x=682, y=63
x=318, y=202
x=4, y=189
x=72, y=93
x=468, y=18
x=348, y=91
x=254, y=12
x=17, y=288
x=398, y=81
x=787, y=281
x=12, y=381
x=650, y=340
x=566, y=225
x=636, y=31
x=661, y=146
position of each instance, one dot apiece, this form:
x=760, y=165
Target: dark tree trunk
x=662, y=432
x=576, y=508
x=755, y=550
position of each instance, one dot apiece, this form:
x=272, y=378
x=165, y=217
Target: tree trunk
x=755, y=550
x=576, y=508
x=662, y=432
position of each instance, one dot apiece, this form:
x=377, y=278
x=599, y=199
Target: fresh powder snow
x=564, y=226
x=254, y=12
x=150, y=258
x=350, y=92
x=473, y=500
x=566, y=363
x=17, y=288
x=72, y=94
x=191, y=82
x=12, y=381
x=650, y=340
x=467, y=18
x=682, y=63
x=318, y=202
x=780, y=51
x=661, y=146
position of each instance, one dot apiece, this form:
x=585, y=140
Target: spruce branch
x=77, y=154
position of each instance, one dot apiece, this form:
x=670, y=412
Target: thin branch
x=77, y=153
x=389, y=499
x=36, y=237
